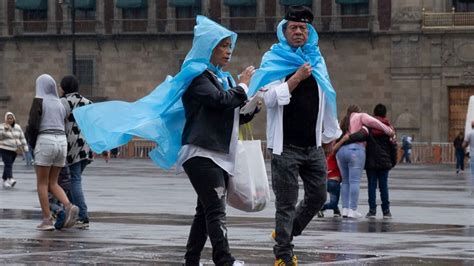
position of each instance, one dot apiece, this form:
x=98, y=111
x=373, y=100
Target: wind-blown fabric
x=283, y=60
x=158, y=116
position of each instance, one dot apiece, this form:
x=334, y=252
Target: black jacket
x=381, y=153
x=209, y=112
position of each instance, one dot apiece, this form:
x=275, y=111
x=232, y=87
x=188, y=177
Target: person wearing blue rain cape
x=158, y=116
x=194, y=118
x=212, y=109
x=301, y=116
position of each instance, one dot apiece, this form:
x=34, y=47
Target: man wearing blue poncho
x=194, y=119
x=301, y=116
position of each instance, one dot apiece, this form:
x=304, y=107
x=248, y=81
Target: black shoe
x=337, y=213
x=82, y=224
x=387, y=214
x=371, y=214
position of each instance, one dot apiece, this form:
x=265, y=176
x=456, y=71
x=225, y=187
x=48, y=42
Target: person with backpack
x=406, y=147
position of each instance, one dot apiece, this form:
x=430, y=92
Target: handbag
x=248, y=188
x=19, y=148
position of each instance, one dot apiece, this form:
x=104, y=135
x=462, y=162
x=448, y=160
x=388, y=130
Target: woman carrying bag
x=12, y=141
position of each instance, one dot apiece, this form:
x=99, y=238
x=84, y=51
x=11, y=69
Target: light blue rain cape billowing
x=158, y=116
x=283, y=60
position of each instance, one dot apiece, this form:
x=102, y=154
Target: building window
x=463, y=5
x=85, y=20
x=243, y=17
x=186, y=17
x=134, y=19
x=84, y=14
x=355, y=16
x=85, y=76
x=35, y=20
x=355, y=9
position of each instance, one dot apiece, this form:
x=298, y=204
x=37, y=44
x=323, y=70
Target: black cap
x=299, y=14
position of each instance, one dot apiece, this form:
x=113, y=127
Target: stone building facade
x=415, y=56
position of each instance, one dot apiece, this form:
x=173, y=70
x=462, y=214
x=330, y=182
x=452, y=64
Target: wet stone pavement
x=141, y=215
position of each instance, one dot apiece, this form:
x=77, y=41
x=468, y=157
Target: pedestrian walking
x=79, y=155
x=301, y=116
x=45, y=133
x=406, y=148
x=12, y=141
x=460, y=151
x=351, y=158
x=211, y=104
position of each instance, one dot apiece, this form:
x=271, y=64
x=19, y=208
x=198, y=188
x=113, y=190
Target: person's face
x=10, y=119
x=296, y=33
x=222, y=52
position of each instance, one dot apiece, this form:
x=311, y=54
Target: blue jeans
x=351, y=161
x=380, y=177
x=77, y=196
x=290, y=220
x=334, y=190
x=460, y=159
x=8, y=158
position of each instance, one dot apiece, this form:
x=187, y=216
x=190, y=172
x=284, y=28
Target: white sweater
x=12, y=138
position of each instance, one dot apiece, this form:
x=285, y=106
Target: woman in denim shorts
x=45, y=133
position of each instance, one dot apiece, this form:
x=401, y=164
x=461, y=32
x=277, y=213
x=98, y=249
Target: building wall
x=398, y=63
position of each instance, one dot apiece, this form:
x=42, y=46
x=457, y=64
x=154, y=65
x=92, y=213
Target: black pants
x=8, y=158
x=291, y=219
x=210, y=183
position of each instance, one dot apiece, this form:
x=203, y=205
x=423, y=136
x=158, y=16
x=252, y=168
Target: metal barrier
x=422, y=153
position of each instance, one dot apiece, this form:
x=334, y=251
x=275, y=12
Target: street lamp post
x=72, y=5
x=73, y=32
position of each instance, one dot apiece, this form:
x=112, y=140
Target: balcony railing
x=346, y=23
x=453, y=19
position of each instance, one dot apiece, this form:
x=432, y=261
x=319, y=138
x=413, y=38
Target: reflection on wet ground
x=322, y=224
x=433, y=223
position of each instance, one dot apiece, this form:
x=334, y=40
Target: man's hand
x=301, y=74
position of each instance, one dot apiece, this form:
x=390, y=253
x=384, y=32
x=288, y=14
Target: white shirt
x=277, y=95
x=226, y=161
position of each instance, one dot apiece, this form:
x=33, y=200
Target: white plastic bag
x=248, y=189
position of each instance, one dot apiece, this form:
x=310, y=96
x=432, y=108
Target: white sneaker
x=12, y=182
x=354, y=214
x=238, y=263
x=345, y=212
x=7, y=184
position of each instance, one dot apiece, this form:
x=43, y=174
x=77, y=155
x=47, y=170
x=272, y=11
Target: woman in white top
x=45, y=133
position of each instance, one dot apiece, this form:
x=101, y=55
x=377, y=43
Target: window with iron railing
x=35, y=20
x=135, y=19
x=186, y=17
x=85, y=20
x=354, y=16
x=242, y=17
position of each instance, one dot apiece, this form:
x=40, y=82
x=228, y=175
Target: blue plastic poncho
x=158, y=116
x=283, y=60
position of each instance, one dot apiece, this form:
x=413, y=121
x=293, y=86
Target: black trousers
x=8, y=158
x=210, y=183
